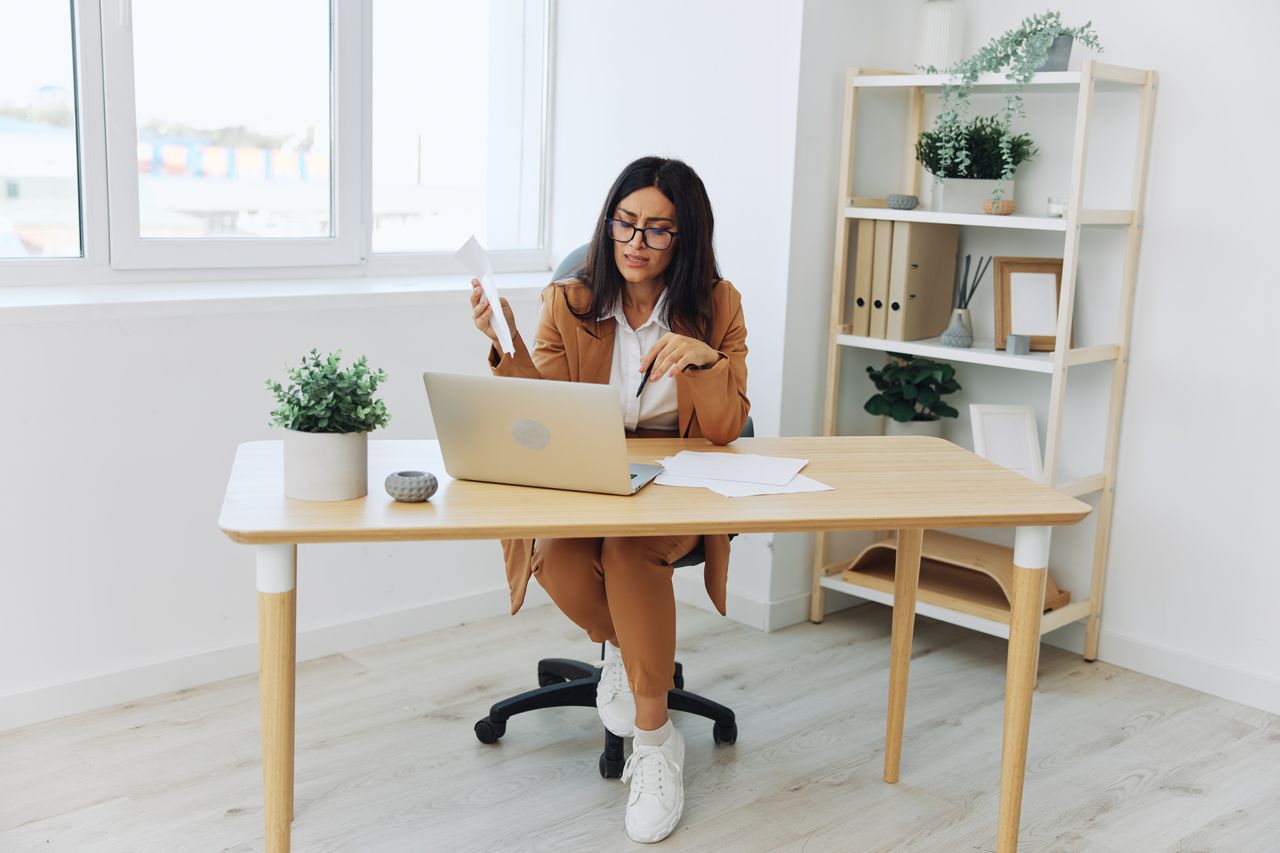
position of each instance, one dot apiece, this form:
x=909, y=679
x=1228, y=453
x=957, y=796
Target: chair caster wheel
x=610, y=768
x=546, y=679
x=725, y=733
x=487, y=731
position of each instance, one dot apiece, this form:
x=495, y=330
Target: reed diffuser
x=960, y=332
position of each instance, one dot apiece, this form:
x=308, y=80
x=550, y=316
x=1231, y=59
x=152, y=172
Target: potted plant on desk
x=910, y=393
x=328, y=413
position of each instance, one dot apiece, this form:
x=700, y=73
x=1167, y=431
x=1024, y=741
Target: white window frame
x=106, y=138
x=86, y=58
x=129, y=250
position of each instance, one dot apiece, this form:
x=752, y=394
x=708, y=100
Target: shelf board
x=1051, y=621
x=1054, y=79
x=1083, y=486
x=1106, y=77
x=982, y=220
x=982, y=352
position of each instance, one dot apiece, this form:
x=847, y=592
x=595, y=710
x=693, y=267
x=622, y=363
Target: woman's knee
x=577, y=558
x=651, y=551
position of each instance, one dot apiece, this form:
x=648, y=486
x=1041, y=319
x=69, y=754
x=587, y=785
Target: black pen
x=646, y=378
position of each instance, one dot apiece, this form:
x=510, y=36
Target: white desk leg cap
x=277, y=567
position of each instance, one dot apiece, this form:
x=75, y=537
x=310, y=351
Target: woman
x=648, y=299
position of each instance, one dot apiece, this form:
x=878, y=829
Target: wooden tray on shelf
x=963, y=574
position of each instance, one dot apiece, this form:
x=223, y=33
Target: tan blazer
x=711, y=402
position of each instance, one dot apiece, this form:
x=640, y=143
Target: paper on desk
x=739, y=467
x=739, y=489
x=473, y=257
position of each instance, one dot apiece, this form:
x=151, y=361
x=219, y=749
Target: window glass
x=233, y=109
x=457, y=124
x=39, y=162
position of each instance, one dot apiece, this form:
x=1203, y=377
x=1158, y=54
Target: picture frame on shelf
x=1007, y=436
x=1027, y=293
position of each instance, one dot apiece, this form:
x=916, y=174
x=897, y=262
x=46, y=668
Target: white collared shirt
x=656, y=406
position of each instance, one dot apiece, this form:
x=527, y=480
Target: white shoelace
x=651, y=777
x=613, y=678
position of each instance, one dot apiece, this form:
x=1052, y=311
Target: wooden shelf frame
x=1092, y=77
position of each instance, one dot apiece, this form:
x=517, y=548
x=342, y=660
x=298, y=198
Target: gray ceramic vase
x=959, y=333
x=898, y=201
x=411, y=486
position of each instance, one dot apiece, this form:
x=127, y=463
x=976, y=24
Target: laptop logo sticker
x=531, y=434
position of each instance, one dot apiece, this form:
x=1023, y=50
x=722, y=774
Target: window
x=457, y=124
x=370, y=136
x=232, y=142
x=39, y=168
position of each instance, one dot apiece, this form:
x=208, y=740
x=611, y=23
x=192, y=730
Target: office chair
x=567, y=683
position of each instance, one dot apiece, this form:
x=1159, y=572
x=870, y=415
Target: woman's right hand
x=482, y=312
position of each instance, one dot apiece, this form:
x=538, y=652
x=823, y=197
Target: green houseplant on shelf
x=910, y=391
x=327, y=413
x=982, y=173
x=1018, y=53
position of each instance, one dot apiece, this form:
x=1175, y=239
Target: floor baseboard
x=61, y=700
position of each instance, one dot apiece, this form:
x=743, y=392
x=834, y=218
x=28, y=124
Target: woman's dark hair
x=692, y=271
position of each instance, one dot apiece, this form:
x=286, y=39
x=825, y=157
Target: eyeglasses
x=655, y=238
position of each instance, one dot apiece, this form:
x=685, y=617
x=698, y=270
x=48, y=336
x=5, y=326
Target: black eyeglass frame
x=644, y=234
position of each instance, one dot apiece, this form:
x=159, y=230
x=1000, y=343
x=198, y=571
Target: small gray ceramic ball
x=411, y=486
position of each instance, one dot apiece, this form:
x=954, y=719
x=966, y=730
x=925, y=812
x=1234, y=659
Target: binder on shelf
x=862, y=263
x=922, y=272
x=880, y=278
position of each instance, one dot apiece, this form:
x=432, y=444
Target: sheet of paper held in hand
x=473, y=257
x=737, y=475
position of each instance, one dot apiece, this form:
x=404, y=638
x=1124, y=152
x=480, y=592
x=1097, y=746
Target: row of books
x=903, y=279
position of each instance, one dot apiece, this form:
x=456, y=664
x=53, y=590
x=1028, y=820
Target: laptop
x=534, y=432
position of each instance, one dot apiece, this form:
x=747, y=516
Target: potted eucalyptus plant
x=982, y=172
x=327, y=413
x=910, y=394
x=1019, y=53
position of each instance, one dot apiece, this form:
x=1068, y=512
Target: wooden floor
x=1119, y=763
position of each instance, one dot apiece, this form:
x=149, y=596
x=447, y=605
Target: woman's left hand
x=673, y=353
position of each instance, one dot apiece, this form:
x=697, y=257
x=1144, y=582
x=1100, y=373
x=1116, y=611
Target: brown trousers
x=619, y=589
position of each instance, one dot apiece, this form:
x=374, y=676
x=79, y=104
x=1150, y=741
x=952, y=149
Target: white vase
x=940, y=34
x=930, y=428
x=326, y=466
x=966, y=195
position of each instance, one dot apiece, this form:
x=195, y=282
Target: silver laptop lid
x=530, y=432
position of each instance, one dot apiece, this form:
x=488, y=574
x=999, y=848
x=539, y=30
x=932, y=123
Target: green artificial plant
x=1017, y=53
x=985, y=143
x=322, y=397
x=911, y=389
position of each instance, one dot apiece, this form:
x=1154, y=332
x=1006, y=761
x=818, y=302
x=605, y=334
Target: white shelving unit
x=948, y=605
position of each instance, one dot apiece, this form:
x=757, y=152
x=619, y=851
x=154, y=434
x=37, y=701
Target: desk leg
x=906, y=577
x=277, y=657
x=1030, y=561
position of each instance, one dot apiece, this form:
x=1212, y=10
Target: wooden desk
x=903, y=484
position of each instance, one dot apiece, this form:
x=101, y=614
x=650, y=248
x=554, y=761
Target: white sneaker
x=657, y=789
x=614, y=699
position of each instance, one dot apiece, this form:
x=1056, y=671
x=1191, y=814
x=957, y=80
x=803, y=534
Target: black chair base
x=565, y=683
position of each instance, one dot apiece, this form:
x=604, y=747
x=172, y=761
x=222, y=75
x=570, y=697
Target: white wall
x=119, y=428
x=1192, y=570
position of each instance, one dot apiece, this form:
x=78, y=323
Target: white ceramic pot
x=966, y=195
x=940, y=33
x=326, y=466
x=929, y=428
